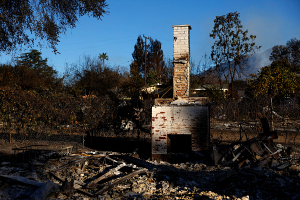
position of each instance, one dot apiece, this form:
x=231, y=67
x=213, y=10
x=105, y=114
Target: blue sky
x=273, y=22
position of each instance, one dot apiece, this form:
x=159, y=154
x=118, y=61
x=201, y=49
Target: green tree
x=135, y=81
x=232, y=46
x=138, y=56
x=90, y=77
x=156, y=68
x=33, y=72
x=288, y=53
x=294, y=49
x=45, y=20
x=279, y=53
x=103, y=57
x=276, y=80
x=157, y=64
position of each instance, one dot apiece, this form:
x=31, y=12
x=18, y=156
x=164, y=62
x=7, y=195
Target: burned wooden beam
x=114, y=161
x=119, y=180
x=138, y=162
x=104, y=176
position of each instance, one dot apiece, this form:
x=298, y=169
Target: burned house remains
x=182, y=124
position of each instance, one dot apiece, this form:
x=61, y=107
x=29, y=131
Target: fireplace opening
x=179, y=143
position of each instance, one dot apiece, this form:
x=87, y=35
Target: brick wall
x=181, y=82
x=179, y=120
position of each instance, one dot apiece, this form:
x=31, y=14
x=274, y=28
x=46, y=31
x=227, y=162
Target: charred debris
x=252, y=169
x=259, y=151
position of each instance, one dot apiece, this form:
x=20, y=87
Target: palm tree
x=103, y=57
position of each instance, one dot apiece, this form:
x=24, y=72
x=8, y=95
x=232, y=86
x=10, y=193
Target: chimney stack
x=181, y=59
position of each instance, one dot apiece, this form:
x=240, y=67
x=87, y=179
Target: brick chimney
x=181, y=59
x=180, y=127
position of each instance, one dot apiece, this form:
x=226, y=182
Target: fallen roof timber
x=119, y=180
x=93, y=183
x=104, y=176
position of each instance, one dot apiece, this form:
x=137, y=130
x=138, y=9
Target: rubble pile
x=243, y=170
x=255, y=182
x=110, y=175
